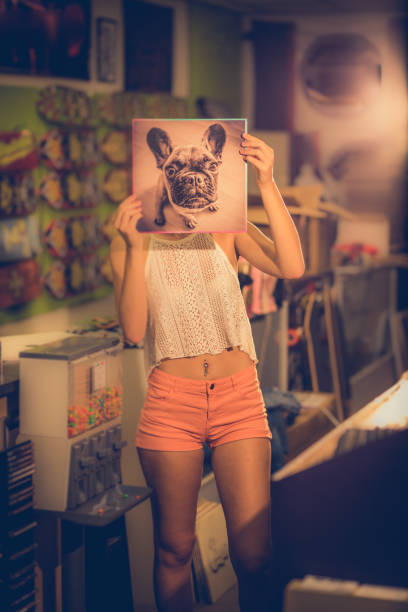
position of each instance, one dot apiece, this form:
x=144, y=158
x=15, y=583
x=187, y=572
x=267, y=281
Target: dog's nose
x=196, y=180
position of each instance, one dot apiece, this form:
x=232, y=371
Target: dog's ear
x=214, y=139
x=159, y=144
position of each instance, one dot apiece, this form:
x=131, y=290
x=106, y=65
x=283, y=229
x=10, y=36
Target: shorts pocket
x=249, y=390
x=158, y=391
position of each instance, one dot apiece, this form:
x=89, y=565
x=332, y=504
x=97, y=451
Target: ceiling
x=313, y=7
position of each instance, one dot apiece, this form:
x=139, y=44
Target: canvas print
x=189, y=175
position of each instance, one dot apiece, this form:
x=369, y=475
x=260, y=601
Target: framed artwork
x=107, y=43
x=45, y=38
x=189, y=175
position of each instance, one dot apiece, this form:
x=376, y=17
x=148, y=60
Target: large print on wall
x=45, y=37
x=189, y=175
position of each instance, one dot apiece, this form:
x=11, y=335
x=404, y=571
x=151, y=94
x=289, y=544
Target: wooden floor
x=227, y=603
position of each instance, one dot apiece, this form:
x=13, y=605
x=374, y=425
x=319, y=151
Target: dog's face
x=189, y=173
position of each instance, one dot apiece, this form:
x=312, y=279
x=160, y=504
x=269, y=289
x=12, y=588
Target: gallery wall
x=199, y=69
x=18, y=111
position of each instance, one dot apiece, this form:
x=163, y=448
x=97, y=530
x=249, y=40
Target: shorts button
x=212, y=386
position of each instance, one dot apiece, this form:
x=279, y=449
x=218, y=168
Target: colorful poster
x=189, y=175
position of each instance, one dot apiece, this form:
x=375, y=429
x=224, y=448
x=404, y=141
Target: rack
x=17, y=529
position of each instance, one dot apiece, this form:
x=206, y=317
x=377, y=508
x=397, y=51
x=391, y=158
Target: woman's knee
x=175, y=551
x=251, y=562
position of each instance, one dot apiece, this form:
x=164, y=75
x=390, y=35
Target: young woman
x=181, y=294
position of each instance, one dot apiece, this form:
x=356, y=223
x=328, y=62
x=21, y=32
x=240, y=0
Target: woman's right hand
x=125, y=220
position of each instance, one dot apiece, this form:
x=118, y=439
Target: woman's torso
x=225, y=363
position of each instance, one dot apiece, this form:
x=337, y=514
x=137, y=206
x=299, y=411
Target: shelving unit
x=17, y=529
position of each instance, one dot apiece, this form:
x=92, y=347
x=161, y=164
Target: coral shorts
x=183, y=413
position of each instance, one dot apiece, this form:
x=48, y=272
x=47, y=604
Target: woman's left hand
x=260, y=155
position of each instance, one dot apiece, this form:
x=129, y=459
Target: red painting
x=45, y=37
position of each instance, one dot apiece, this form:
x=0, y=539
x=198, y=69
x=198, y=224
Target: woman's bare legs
x=242, y=472
x=176, y=479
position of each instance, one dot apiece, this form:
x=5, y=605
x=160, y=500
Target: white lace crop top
x=194, y=301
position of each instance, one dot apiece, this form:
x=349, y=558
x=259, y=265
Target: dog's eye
x=170, y=171
x=213, y=167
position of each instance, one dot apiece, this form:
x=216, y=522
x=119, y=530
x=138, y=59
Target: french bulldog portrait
x=189, y=174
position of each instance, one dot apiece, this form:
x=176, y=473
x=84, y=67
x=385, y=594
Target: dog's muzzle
x=193, y=190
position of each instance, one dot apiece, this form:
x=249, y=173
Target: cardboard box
x=317, y=594
x=313, y=422
x=213, y=572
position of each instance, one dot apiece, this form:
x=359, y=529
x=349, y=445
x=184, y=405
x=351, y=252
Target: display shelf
x=106, y=507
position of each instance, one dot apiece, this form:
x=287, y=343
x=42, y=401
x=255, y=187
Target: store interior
x=325, y=84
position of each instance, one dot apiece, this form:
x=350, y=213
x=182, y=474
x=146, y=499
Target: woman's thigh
x=175, y=477
x=242, y=472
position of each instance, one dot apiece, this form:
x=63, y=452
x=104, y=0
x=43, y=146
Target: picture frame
x=46, y=39
x=189, y=175
x=107, y=35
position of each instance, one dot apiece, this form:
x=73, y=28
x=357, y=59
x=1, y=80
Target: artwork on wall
x=189, y=175
x=70, y=190
x=69, y=149
x=106, y=53
x=17, y=151
x=66, y=106
x=45, y=38
x=18, y=158
x=20, y=282
x=68, y=278
x=17, y=194
x=115, y=147
x=19, y=238
x=67, y=237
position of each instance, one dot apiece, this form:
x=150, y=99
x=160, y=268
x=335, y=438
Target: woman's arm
x=128, y=261
x=282, y=256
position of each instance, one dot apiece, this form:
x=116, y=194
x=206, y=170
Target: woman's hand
x=285, y=252
x=125, y=220
x=260, y=155
x=128, y=263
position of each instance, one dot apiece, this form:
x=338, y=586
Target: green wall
x=18, y=111
x=215, y=56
